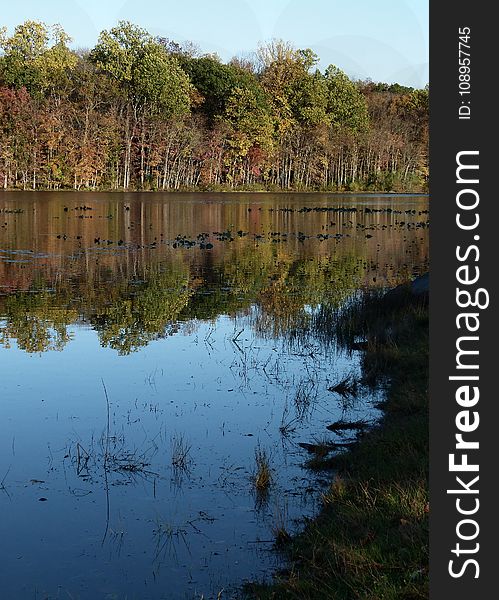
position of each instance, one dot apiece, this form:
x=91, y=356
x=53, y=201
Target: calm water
x=149, y=344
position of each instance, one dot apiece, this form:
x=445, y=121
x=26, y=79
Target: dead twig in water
x=108, y=421
x=2, y=483
x=106, y=454
x=235, y=338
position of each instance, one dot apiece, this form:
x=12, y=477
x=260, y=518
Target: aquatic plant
x=180, y=451
x=263, y=474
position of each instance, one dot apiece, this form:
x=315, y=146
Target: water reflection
x=149, y=344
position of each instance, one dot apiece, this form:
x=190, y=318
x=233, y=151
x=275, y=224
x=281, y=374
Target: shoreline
x=221, y=192
x=370, y=537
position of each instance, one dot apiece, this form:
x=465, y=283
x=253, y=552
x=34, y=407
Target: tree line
x=138, y=112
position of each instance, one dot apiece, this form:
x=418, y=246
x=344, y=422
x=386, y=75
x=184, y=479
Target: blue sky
x=385, y=40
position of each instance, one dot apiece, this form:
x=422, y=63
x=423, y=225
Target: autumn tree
x=139, y=112
x=152, y=82
x=37, y=57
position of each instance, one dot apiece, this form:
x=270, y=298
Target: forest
x=138, y=112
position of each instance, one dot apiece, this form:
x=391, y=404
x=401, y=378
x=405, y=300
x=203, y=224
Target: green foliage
x=119, y=50
x=251, y=128
x=159, y=80
x=29, y=42
x=29, y=61
x=392, y=88
x=419, y=102
x=138, y=112
x=345, y=103
x=144, y=69
x=282, y=69
x=216, y=82
x=308, y=98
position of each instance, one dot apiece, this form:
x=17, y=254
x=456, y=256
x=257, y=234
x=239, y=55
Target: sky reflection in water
x=212, y=350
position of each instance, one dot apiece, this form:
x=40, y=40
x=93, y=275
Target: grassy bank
x=370, y=540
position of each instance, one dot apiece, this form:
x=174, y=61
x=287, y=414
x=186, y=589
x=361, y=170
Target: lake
x=152, y=346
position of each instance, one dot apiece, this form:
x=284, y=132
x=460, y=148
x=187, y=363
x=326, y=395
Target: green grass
x=370, y=540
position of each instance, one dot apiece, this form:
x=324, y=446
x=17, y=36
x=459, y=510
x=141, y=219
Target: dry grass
x=263, y=473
